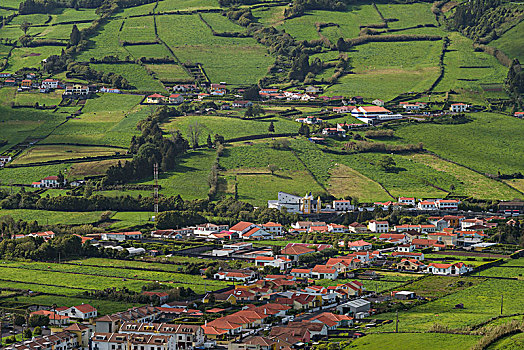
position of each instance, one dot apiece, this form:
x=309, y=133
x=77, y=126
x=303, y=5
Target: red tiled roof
x=241, y=226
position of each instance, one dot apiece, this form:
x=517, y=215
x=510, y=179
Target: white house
x=447, y=269
x=155, y=99
x=378, y=102
x=239, y=276
x=343, y=205
x=447, y=204
x=50, y=84
x=378, y=226
x=407, y=200
x=176, y=98
x=83, y=311
x=48, y=182
x=324, y=272
x=344, y=109
x=121, y=236
x=427, y=205
x=458, y=107
x=76, y=89
x=273, y=228
x=405, y=248
x=282, y=263
x=370, y=114
x=301, y=273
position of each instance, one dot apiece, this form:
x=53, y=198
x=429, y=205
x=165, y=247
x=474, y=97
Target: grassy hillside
x=512, y=42
x=497, y=138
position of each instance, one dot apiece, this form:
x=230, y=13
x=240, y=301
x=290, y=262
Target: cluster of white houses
x=309, y=205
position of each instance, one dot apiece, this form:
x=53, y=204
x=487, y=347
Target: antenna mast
x=155, y=173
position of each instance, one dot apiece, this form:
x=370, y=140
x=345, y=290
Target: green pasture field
x=385, y=70
x=132, y=276
x=229, y=127
x=106, y=43
x=169, y=72
x=31, y=97
x=104, y=307
x=45, y=217
x=35, y=19
x=124, y=220
x=513, y=342
x=13, y=32
x=511, y=42
x=155, y=51
x=138, y=29
x=14, y=4
x=258, y=155
x=503, y=271
x=432, y=286
x=63, y=152
x=411, y=179
x=175, y=5
x=69, y=14
x=344, y=181
x=239, y=65
x=415, y=341
x=38, y=288
x=408, y=15
x=80, y=170
x=402, y=56
x=136, y=10
x=189, y=30
x=135, y=74
x=315, y=160
x=21, y=123
x=60, y=31
x=30, y=57
x=303, y=28
x=398, y=276
x=189, y=178
x=500, y=141
x=481, y=302
x=460, y=53
x=515, y=262
x=68, y=280
x=385, y=84
x=221, y=23
x=257, y=189
x=467, y=182
x=109, y=119
x=151, y=266
x=4, y=50
x=276, y=242
x=243, y=61
x=269, y=15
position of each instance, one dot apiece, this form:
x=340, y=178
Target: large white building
x=373, y=114
x=296, y=204
x=378, y=226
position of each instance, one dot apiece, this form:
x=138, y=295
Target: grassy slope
x=415, y=341
x=60, y=152
x=512, y=42
x=243, y=61
x=481, y=302
x=499, y=142
x=108, y=119
x=230, y=127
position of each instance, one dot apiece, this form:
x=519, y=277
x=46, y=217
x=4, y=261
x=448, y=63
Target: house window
x=113, y=346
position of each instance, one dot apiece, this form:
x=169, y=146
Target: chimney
x=205, y=323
